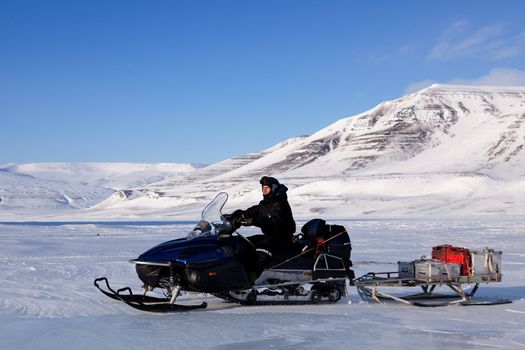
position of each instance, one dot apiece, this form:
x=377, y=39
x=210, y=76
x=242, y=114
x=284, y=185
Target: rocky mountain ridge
x=442, y=150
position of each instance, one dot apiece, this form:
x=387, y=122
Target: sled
x=370, y=288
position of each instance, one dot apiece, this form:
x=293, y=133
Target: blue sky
x=202, y=81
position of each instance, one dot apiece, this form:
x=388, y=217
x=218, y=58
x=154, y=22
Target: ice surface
x=49, y=301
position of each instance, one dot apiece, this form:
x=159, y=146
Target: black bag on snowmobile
x=332, y=239
x=339, y=243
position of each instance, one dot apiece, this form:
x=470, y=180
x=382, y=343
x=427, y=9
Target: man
x=273, y=215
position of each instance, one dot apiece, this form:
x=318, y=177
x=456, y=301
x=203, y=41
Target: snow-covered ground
x=48, y=300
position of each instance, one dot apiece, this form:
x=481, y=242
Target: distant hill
x=445, y=150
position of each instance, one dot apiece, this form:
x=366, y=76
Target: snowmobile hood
x=183, y=251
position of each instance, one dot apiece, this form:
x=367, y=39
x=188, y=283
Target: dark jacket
x=274, y=216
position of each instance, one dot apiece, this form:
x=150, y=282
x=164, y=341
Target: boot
x=263, y=257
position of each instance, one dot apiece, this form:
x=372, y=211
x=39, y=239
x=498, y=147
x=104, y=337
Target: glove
x=237, y=214
x=247, y=222
x=236, y=223
x=233, y=216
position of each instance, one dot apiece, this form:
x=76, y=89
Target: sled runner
x=452, y=267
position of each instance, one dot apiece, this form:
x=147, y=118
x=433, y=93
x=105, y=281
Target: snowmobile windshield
x=211, y=222
x=212, y=212
x=202, y=229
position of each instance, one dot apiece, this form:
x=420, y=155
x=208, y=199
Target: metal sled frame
x=368, y=285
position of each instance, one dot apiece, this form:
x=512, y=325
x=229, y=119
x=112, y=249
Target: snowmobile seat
x=291, y=260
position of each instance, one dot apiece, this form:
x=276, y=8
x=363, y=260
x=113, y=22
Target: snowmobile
x=216, y=259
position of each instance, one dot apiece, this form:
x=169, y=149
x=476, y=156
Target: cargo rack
x=368, y=285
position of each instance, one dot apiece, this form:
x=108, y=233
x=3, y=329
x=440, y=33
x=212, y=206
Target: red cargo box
x=455, y=255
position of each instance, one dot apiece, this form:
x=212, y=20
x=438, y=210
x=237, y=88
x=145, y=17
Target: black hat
x=270, y=182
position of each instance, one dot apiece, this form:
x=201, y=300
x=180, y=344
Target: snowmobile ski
x=144, y=302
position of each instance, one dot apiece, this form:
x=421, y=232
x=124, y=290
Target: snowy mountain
x=33, y=190
x=464, y=128
x=445, y=150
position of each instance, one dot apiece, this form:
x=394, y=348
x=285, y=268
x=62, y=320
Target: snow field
x=49, y=301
